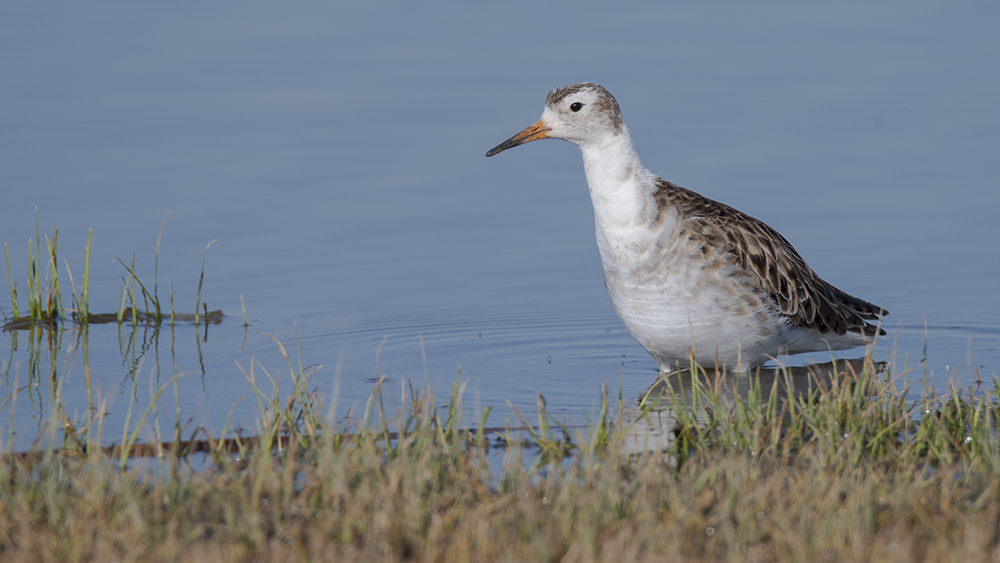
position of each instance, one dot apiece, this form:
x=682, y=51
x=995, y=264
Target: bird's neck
x=621, y=188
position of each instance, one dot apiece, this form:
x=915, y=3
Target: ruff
x=688, y=276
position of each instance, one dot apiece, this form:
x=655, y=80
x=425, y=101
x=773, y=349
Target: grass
x=44, y=297
x=842, y=468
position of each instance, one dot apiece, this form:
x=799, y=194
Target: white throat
x=620, y=186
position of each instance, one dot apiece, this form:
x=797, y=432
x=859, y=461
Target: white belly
x=682, y=301
x=676, y=320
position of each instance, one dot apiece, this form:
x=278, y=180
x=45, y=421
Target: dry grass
x=846, y=473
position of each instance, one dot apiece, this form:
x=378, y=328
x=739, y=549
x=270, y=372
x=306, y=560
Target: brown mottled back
x=803, y=298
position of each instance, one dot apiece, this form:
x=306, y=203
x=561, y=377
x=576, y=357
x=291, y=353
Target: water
x=335, y=156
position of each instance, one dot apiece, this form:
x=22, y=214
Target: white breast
x=679, y=298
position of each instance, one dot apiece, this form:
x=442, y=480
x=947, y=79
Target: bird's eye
x=576, y=106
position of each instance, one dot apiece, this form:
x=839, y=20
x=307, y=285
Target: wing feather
x=801, y=296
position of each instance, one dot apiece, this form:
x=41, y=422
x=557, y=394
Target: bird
x=693, y=279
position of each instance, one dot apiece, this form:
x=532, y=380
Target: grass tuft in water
x=44, y=297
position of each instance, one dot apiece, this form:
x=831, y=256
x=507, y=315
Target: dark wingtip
x=871, y=331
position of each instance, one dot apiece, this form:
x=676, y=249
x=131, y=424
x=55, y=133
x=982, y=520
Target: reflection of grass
x=45, y=301
x=848, y=471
